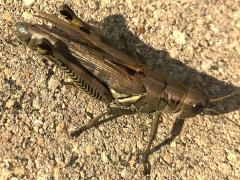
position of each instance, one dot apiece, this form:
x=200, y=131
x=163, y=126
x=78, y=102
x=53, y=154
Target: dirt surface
x=193, y=41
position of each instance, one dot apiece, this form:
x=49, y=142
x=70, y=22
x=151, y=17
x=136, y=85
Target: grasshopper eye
x=197, y=108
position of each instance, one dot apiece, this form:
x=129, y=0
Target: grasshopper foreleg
x=110, y=111
x=152, y=136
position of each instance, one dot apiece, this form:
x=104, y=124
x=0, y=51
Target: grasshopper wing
x=85, y=35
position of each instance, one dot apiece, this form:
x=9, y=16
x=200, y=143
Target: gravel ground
x=196, y=42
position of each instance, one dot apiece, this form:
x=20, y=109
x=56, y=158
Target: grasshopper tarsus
x=76, y=133
x=146, y=166
x=142, y=158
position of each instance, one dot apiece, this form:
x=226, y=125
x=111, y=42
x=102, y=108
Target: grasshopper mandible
x=122, y=81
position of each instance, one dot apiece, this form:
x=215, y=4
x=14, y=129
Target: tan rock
x=27, y=16
x=28, y=2
x=53, y=84
x=10, y=103
x=60, y=127
x=179, y=37
x=7, y=16
x=36, y=103
x=90, y=149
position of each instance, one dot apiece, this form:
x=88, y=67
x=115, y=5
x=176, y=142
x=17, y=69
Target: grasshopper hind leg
x=71, y=17
x=113, y=112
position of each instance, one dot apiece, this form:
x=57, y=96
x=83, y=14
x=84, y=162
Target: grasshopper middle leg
x=153, y=132
x=110, y=111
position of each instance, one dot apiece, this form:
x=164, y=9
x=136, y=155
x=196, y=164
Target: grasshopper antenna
x=224, y=97
x=218, y=113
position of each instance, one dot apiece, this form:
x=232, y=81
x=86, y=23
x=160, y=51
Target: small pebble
x=232, y=158
x=27, y=16
x=167, y=157
x=6, y=136
x=179, y=37
x=7, y=16
x=28, y=2
x=124, y=173
x=53, y=84
x=36, y=103
x=40, y=141
x=60, y=127
x=90, y=149
x=10, y=103
x=104, y=157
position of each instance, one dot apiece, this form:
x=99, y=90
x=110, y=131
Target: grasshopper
x=108, y=74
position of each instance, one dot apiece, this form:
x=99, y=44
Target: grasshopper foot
x=76, y=133
x=146, y=165
x=143, y=159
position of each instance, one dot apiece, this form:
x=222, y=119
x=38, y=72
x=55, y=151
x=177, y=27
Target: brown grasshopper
x=123, y=82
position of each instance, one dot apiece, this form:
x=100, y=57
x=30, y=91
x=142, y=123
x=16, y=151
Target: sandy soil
x=196, y=42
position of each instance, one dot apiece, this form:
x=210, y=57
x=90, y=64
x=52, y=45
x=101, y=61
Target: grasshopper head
x=194, y=103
